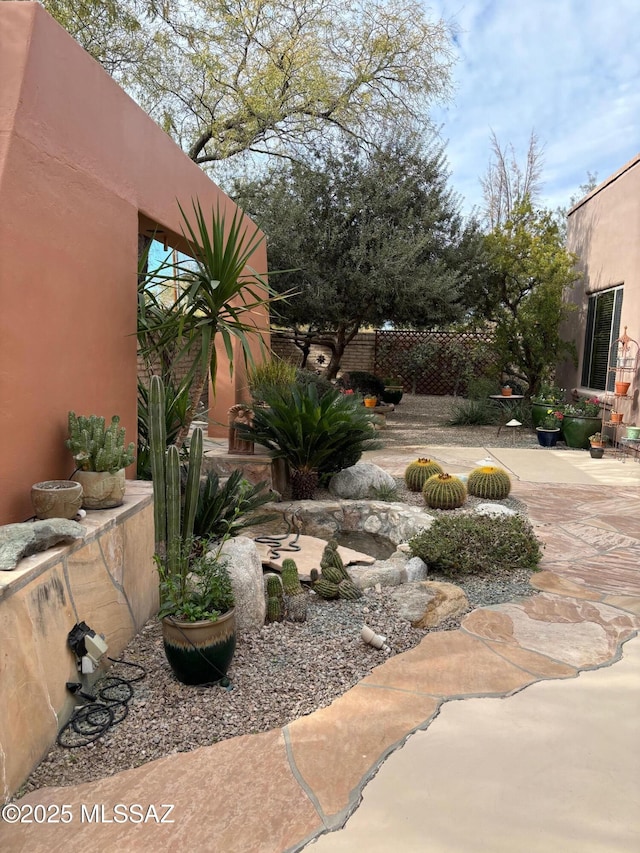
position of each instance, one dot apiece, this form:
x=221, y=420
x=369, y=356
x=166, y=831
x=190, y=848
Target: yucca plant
x=311, y=433
x=218, y=293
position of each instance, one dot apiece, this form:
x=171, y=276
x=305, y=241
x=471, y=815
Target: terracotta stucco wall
x=604, y=232
x=79, y=163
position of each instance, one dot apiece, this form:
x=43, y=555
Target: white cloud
x=570, y=69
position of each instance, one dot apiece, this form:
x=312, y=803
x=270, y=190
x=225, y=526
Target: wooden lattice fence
x=434, y=362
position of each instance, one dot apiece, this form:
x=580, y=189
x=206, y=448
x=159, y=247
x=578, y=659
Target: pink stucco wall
x=604, y=232
x=79, y=162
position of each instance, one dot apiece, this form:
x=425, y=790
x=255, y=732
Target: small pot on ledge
x=56, y=499
x=506, y=391
x=596, y=452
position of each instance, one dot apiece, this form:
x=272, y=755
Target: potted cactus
x=196, y=597
x=101, y=457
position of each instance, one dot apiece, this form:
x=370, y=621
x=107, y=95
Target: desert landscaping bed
x=280, y=672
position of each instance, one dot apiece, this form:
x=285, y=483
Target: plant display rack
x=623, y=364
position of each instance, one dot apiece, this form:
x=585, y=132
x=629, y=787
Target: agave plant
x=230, y=508
x=313, y=434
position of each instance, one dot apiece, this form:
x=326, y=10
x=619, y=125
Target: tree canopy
x=363, y=240
x=528, y=273
x=274, y=76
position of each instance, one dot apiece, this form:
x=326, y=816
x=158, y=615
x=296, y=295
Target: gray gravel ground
x=279, y=673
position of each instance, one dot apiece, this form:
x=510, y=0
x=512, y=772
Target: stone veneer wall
x=108, y=581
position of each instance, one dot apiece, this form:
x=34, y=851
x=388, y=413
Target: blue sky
x=568, y=69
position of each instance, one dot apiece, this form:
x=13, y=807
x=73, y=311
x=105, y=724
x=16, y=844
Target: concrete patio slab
x=553, y=768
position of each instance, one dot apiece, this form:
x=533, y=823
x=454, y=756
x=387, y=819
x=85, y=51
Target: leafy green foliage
x=529, y=274
x=267, y=77
x=312, y=432
x=271, y=374
x=205, y=593
x=477, y=545
x=309, y=377
x=228, y=509
x=362, y=382
x=214, y=293
x=363, y=240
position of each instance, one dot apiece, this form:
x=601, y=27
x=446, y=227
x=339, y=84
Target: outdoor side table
x=504, y=401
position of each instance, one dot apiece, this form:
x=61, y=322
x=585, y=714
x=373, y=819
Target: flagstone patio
x=276, y=792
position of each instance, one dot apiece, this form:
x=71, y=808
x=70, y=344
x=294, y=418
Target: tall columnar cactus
x=294, y=597
x=442, y=491
x=489, y=482
x=174, y=525
x=275, y=599
x=95, y=448
x=417, y=473
x=290, y=578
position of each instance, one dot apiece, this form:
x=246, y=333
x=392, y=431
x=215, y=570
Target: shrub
x=272, y=375
x=477, y=545
x=362, y=382
x=304, y=378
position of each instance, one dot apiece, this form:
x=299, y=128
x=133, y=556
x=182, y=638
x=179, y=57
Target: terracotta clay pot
x=616, y=417
x=622, y=388
x=506, y=392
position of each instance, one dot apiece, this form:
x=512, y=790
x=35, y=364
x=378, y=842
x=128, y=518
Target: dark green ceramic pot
x=200, y=652
x=577, y=429
x=392, y=394
x=539, y=411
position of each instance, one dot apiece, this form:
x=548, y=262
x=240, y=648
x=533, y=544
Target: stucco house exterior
x=604, y=233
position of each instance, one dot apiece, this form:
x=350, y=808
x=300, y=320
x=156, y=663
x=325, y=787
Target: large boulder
x=360, y=481
x=23, y=540
x=391, y=572
x=245, y=569
x=426, y=604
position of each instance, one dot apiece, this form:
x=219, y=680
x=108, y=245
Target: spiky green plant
x=192, y=584
x=417, y=473
x=311, y=432
x=96, y=448
x=442, y=491
x=294, y=597
x=489, y=482
x=271, y=374
x=275, y=598
x=231, y=507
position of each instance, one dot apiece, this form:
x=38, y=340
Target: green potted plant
x=101, y=457
x=549, y=397
x=582, y=417
x=548, y=431
x=196, y=597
